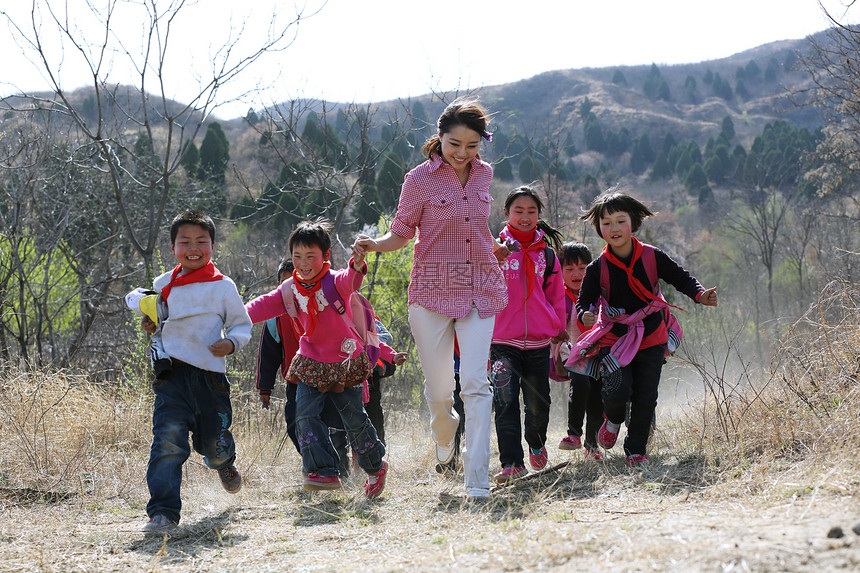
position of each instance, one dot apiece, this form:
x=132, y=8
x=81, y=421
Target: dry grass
x=751, y=480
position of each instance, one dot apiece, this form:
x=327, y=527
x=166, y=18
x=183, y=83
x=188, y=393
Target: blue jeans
x=513, y=370
x=191, y=400
x=329, y=415
x=318, y=453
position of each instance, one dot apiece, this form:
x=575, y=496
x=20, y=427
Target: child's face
x=460, y=146
x=192, y=247
x=617, y=230
x=523, y=214
x=572, y=274
x=309, y=260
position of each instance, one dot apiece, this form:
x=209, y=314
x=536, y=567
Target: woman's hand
x=500, y=250
x=399, y=358
x=363, y=244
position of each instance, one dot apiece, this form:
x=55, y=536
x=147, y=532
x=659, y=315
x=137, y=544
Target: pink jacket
x=324, y=344
x=530, y=323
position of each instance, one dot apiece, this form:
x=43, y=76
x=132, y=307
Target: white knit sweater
x=198, y=315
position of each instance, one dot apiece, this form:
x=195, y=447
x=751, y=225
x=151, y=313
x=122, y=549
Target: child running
x=628, y=342
x=519, y=353
x=331, y=362
x=584, y=391
x=207, y=321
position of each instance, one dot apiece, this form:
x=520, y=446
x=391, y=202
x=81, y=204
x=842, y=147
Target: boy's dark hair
x=553, y=236
x=312, y=233
x=461, y=111
x=613, y=201
x=192, y=217
x=574, y=253
x=285, y=268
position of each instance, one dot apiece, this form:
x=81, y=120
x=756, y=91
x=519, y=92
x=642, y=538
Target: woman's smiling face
x=460, y=146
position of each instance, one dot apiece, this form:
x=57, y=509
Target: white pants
x=434, y=338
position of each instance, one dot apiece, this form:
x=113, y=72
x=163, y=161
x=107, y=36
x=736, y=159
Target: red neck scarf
x=570, y=294
x=637, y=287
x=204, y=274
x=527, y=242
x=316, y=284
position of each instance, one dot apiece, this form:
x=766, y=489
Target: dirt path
x=672, y=516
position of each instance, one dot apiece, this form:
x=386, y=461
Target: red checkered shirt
x=454, y=267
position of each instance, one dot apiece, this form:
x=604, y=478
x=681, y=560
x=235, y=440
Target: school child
x=584, y=391
x=278, y=345
x=456, y=285
x=519, y=354
x=628, y=340
x=331, y=362
x=207, y=321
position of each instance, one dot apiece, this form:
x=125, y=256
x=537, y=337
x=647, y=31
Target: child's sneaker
x=606, y=438
x=570, y=442
x=316, y=482
x=231, y=479
x=376, y=482
x=510, y=472
x=592, y=453
x=538, y=458
x=636, y=459
x=159, y=524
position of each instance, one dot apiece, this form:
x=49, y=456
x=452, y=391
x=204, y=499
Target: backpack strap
x=549, y=257
x=330, y=293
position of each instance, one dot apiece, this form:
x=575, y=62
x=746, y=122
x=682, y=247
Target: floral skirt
x=330, y=376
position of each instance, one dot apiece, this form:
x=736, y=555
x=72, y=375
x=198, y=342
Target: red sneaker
x=636, y=459
x=570, y=442
x=593, y=454
x=316, y=482
x=606, y=438
x=538, y=458
x=510, y=472
x=375, y=482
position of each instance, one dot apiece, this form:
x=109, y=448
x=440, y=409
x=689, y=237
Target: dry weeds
x=761, y=497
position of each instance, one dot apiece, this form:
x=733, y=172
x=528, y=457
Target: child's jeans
x=318, y=453
x=434, y=339
x=638, y=385
x=513, y=370
x=330, y=417
x=191, y=400
x=583, y=400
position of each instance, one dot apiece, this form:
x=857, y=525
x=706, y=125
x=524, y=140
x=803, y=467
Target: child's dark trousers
x=513, y=370
x=583, y=400
x=638, y=385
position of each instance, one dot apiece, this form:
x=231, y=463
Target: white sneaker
x=444, y=454
x=477, y=493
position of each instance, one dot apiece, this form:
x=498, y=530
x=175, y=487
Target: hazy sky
x=375, y=50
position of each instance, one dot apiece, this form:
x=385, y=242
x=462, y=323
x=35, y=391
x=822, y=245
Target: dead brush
x=804, y=405
x=62, y=433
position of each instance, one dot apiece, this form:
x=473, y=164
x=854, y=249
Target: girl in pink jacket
x=535, y=315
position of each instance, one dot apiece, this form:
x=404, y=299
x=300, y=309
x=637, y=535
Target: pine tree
x=214, y=155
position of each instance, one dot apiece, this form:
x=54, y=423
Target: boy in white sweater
x=206, y=322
